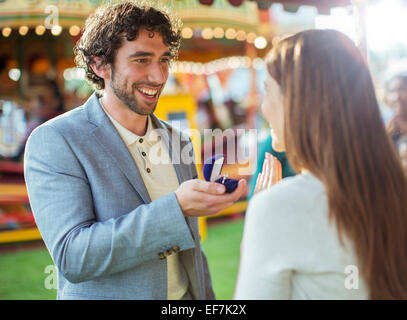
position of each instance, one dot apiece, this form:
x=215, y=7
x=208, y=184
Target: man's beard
x=119, y=88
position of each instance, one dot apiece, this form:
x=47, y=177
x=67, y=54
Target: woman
x=338, y=230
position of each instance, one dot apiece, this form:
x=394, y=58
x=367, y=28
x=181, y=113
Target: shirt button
x=143, y=154
x=141, y=140
x=148, y=170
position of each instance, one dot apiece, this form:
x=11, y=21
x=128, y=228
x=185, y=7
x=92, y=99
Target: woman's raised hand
x=271, y=173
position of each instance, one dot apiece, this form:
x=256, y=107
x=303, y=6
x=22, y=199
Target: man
x=117, y=224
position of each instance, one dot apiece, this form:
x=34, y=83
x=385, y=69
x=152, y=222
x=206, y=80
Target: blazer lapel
x=112, y=143
x=173, y=144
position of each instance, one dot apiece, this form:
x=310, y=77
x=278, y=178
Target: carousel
x=214, y=84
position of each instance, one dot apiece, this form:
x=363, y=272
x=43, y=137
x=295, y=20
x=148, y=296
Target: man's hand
x=202, y=198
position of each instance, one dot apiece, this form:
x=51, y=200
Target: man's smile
x=149, y=93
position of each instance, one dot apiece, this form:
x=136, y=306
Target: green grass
x=23, y=277
x=222, y=248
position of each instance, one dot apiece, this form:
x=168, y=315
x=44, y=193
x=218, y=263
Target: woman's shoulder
x=291, y=213
x=294, y=200
x=293, y=190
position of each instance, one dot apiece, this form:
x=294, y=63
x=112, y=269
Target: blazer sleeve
x=81, y=247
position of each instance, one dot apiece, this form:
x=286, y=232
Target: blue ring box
x=212, y=170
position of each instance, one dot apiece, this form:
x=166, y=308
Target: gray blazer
x=106, y=237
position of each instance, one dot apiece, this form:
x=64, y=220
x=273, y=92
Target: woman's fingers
x=271, y=173
x=257, y=186
x=270, y=170
x=261, y=177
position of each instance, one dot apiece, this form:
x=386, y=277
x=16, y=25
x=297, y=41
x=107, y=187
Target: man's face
x=140, y=71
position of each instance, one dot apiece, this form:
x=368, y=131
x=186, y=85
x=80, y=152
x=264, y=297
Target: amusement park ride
x=212, y=29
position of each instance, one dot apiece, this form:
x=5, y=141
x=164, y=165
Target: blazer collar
x=110, y=140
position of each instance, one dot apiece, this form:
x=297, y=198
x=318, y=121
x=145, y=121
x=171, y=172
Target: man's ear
x=101, y=68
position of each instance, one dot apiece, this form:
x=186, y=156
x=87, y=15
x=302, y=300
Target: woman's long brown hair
x=333, y=128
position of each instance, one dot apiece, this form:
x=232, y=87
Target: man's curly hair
x=110, y=24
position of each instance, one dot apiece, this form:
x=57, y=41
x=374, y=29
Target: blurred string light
x=56, y=30
x=218, y=32
x=207, y=33
x=241, y=35
x=229, y=33
x=6, y=32
x=260, y=43
x=258, y=63
x=74, y=30
x=187, y=33
x=251, y=37
x=215, y=66
x=14, y=74
x=23, y=30
x=40, y=30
